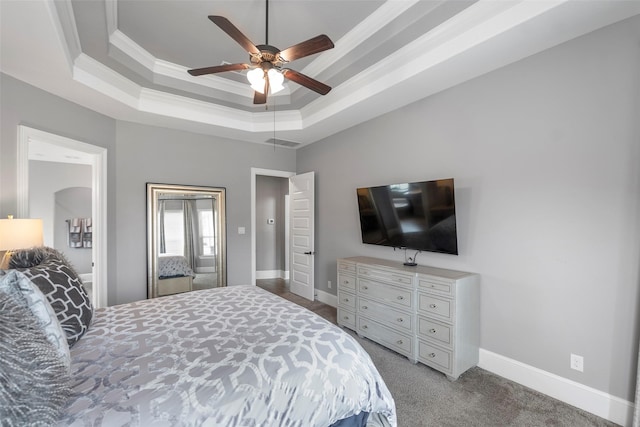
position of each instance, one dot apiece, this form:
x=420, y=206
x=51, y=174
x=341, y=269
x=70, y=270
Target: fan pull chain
x=274, y=122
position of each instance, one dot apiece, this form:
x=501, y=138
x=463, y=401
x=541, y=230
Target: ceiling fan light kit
x=276, y=79
x=266, y=74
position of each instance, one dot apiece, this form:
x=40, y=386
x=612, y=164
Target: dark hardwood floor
x=281, y=287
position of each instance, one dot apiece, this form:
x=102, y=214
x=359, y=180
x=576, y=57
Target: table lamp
x=18, y=234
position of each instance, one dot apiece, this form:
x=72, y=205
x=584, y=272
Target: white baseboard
x=586, y=398
x=272, y=274
x=326, y=298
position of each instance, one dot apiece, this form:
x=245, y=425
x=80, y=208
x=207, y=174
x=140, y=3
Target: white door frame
x=98, y=197
x=254, y=173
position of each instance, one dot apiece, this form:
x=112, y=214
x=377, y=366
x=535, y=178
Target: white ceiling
x=128, y=59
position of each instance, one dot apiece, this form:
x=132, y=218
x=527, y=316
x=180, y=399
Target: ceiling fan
x=266, y=61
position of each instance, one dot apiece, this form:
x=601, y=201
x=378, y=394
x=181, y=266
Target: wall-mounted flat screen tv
x=416, y=215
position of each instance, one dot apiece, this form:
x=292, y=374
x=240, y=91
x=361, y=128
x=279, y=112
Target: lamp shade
x=20, y=234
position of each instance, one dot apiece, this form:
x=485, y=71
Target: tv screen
x=416, y=215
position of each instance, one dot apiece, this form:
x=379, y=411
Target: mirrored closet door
x=186, y=239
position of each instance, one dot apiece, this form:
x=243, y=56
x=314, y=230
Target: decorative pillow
x=32, y=298
x=62, y=287
x=26, y=258
x=34, y=382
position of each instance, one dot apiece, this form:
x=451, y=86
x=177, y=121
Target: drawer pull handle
x=365, y=287
x=399, y=342
x=431, y=355
x=346, y=282
x=364, y=307
x=400, y=319
x=432, y=306
x=346, y=300
x=364, y=326
x=346, y=317
x=432, y=331
x=400, y=297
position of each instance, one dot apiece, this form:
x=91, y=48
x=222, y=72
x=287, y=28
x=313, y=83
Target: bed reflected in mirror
x=186, y=238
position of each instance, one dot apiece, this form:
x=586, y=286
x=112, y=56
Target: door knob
x=309, y=253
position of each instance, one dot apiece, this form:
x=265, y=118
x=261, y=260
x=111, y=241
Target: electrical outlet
x=329, y=283
x=577, y=363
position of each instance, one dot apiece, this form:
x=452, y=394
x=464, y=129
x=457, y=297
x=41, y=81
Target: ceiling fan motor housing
x=268, y=54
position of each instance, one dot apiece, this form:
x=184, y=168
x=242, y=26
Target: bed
x=234, y=356
x=174, y=274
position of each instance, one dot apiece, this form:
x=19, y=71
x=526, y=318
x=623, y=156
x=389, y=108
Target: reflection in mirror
x=186, y=238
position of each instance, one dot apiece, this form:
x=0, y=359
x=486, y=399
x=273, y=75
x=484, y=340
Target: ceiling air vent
x=282, y=142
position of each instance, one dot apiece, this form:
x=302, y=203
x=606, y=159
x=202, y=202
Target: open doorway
x=272, y=194
x=268, y=190
x=301, y=229
x=63, y=181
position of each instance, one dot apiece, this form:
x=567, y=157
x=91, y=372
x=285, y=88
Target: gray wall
x=545, y=156
x=149, y=154
x=22, y=104
x=46, y=181
x=270, y=193
x=72, y=202
x=138, y=154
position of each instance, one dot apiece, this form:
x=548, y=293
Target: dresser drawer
x=386, y=336
x=385, y=315
x=439, y=332
x=395, y=278
x=439, y=307
x=346, y=318
x=346, y=281
x=435, y=285
x=346, y=266
x=435, y=357
x=347, y=300
x=399, y=297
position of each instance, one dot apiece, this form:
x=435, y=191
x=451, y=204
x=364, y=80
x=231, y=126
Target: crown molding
x=481, y=38
x=351, y=41
x=65, y=26
x=103, y=79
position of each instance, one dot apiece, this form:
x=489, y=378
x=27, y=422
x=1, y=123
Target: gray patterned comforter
x=236, y=356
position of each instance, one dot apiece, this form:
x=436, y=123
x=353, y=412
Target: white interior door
x=301, y=233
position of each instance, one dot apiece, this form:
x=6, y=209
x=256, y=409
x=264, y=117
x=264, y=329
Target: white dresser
x=430, y=315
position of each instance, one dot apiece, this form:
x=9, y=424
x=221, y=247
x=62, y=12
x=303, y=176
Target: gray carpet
x=424, y=397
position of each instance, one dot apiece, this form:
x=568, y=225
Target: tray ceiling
x=128, y=58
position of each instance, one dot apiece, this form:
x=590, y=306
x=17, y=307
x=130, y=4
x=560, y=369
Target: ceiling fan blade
x=317, y=44
x=218, y=69
x=226, y=26
x=306, y=81
x=261, y=98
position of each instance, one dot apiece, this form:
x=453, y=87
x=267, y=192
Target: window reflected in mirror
x=186, y=238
